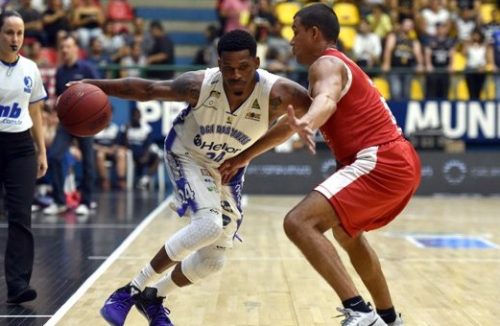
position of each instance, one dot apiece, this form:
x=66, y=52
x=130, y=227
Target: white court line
x=105, y=265
x=25, y=316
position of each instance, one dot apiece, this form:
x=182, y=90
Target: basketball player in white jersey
x=229, y=109
x=21, y=102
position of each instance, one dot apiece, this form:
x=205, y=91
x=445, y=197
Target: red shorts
x=374, y=189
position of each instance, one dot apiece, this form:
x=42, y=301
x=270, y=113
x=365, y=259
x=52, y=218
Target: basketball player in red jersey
x=378, y=170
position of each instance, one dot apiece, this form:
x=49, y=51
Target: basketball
x=83, y=110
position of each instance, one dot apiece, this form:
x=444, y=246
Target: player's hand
x=42, y=165
x=74, y=82
x=302, y=128
x=230, y=167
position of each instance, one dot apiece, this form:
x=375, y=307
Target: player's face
x=11, y=35
x=301, y=42
x=238, y=71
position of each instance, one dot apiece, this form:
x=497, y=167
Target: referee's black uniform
x=21, y=93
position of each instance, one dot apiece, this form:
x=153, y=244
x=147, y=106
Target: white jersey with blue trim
x=20, y=85
x=211, y=132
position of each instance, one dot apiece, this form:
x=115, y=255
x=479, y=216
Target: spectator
x=71, y=69
x=430, y=17
x=140, y=34
x=54, y=19
x=107, y=148
x=402, y=52
x=207, y=55
x=367, y=47
x=33, y=24
x=114, y=42
x=439, y=54
x=476, y=53
x=162, y=53
x=232, y=11
x=97, y=57
x=133, y=64
x=465, y=23
x=88, y=18
x=493, y=30
x=380, y=22
x=138, y=139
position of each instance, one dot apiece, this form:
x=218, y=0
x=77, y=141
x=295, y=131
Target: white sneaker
x=82, y=209
x=397, y=322
x=54, y=209
x=358, y=318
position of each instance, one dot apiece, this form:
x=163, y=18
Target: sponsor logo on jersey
x=13, y=111
x=28, y=84
x=255, y=105
x=241, y=137
x=213, y=147
x=253, y=116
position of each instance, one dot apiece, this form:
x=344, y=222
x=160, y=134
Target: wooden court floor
x=433, y=257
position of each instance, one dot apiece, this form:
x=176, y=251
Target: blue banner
x=472, y=121
x=475, y=122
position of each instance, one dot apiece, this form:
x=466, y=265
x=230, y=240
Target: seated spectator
x=430, y=16
x=380, y=21
x=120, y=10
x=113, y=42
x=144, y=152
x=54, y=19
x=108, y=148
x=88, y=18
x=207, y=55
x=140, y=34
x=232, y=11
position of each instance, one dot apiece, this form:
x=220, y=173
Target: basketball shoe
x=397, y=322
x=150, y=305
x=358, y=318
x=118, y=305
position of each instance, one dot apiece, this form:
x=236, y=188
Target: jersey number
x=214, y=157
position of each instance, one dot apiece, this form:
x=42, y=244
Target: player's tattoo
x=187, y=87
x=274, y=103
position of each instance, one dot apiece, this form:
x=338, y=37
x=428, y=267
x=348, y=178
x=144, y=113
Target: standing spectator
x=367, y=47
x=107, y=148
x=476, y=53
x=380, y=21
x=72, y=68
x=88, y=18
x=405, y=54
x=465, y=23
x=138, y=138
x=33, y=24
x=133, y=64
x=54, y=19
x=439, y=54
x=98, y=57
x=493, y=31
x=22, y=155
x=430, y=17
x=232, y=11
x=162, y=52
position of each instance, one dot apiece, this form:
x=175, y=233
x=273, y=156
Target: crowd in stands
x=450, y=49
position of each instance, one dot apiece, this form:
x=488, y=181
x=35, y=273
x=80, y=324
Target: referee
x=22, y=154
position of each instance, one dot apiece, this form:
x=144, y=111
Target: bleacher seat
x=347, y=36
x=485, y=12
x=287, y=32
x=285, y=11
x=416, y=90
x=347, y=13
x=383, y=87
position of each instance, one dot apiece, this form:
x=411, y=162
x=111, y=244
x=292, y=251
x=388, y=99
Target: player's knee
x=209, y=221
x=206, y=262
x=292, y=224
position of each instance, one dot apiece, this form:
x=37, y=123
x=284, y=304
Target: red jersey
x=362, y=118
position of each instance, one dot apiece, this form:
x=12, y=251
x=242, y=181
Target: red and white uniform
x=380, y=170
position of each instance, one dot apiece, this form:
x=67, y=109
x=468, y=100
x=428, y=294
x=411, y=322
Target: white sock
x=165, y=285
x=143, y=277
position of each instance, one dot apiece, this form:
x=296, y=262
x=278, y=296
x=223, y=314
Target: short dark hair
x=8, y=13
x=321, y=16
x=237, y=40
x=156, y=24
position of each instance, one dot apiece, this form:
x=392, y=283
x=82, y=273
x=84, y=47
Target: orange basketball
x=83, y=110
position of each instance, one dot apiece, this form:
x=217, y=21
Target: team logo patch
x=204, y=172
x=215, y=94
x=229, y=120
x=253, y=116
x=28, y=84
x=255, y=105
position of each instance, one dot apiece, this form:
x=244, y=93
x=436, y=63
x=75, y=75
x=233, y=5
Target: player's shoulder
x=26, y=62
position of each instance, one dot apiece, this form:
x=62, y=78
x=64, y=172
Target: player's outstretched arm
x=185, y=87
